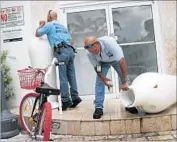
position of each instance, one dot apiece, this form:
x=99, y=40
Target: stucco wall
x=39, y=10
x=167, y=12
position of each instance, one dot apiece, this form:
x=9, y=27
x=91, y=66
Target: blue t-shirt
x=56, y=33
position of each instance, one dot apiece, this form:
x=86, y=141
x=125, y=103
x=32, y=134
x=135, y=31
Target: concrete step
x=115, y=121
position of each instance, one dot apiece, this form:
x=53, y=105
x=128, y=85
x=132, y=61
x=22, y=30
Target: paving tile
x=102, y=128
x=88, y=116
x=149, y=134
x=163, y=123
x=74, y=128
x=53, y=136
x=117, y=127
x=87, y=128
x=87, y=138
x=167, y=132
x=78, y=138
x=112, y=137
x=73, y=139
x=98, y=138
x=158, y=138
x=137, y=135
x=105, y=117
x=67, y=115
x=148, y=125
x=174, y=122
x=121, y=136
x=61, y=127
x=134, y=139
x=77, y=128
x=154, y=124
x=132, y=126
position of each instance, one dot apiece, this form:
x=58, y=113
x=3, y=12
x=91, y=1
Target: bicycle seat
x=46, y=89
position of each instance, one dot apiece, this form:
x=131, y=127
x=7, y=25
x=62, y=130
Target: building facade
x=146, y=31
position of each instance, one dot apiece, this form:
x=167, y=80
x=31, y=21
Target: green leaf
x=5, y=70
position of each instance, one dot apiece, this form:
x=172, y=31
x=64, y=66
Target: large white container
x=41, y=55
x=150, y=92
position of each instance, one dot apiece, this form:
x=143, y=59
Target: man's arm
x=118, y=55
x=71, y=42
x=42, y=29
x=96, y=66
x=36, y=34
x=99, y=73
x=103, y=78
x=123, y=67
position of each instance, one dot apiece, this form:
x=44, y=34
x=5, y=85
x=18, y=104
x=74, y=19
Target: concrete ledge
x=114, y=127
x=115, y=121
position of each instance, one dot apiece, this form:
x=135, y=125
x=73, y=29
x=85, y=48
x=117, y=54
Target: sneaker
x=98, y=113
x=66, y=105
x=76, y=102
x=131, y=110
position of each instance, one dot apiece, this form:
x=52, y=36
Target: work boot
x=132, y=110
x=98, y=113
x=66, y=105
x=76, y=102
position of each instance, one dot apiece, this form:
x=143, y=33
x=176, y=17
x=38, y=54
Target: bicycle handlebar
x=46, y=71
x=54, y=62
x=49, y=69
x=37, y=70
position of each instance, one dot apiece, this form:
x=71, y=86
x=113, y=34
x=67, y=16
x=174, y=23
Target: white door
x=82, y=22
x=131, y=22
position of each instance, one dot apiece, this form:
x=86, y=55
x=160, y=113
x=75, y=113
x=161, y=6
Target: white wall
x=167, y=12
x=18, y=49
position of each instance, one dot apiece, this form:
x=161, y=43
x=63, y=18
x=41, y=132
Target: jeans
x=67, y=74
x=100, y=86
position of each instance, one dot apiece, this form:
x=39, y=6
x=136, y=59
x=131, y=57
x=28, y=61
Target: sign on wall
x=12, y=16
x=11, y=19
x=11, y=35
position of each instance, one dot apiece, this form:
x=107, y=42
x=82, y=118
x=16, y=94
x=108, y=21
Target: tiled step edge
x=115, y=127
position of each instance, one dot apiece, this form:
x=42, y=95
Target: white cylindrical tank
x=150, y=92
x=41, y=55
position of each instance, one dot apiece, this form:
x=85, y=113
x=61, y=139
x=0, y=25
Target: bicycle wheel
x=26, y=107
x=45, y=121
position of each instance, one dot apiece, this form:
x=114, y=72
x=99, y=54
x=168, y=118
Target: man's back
x=112, y=46
x=56, y=33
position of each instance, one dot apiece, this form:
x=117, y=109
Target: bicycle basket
x=30, y=78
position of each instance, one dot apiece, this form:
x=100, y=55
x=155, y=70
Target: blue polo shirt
x=110, y=51
x=56, y=33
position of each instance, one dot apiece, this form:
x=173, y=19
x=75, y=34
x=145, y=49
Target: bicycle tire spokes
x=42, y=99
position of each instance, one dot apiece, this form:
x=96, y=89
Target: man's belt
x=57, y=48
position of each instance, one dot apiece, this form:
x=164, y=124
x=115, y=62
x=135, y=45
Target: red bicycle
x=35, y=110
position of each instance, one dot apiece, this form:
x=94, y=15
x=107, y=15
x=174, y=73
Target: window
x=134, y=28
x=87, y=23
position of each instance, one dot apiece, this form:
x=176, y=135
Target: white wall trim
x=76, y=4
x=159, y=39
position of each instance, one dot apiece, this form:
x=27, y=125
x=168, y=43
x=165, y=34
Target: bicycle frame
x=43, y=97
x=48, y=72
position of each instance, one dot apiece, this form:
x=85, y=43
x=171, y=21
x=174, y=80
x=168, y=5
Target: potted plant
x=5, y=70
x=9, y=121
